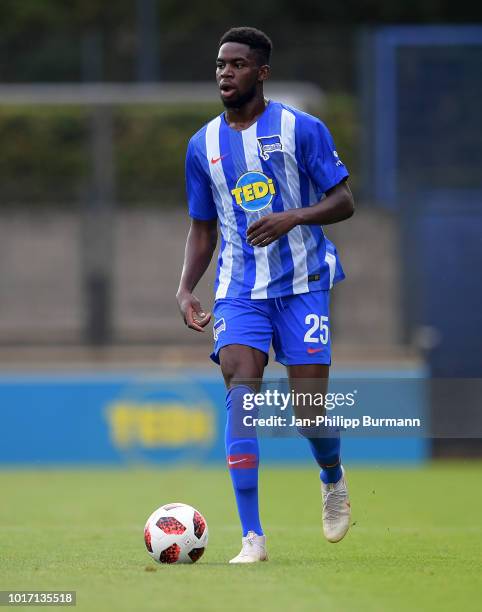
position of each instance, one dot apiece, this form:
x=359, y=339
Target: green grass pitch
x=415, y=543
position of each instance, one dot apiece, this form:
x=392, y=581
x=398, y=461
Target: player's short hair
x=254, y=38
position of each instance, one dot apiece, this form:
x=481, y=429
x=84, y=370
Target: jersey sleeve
x=324, y=166
x=198, y=186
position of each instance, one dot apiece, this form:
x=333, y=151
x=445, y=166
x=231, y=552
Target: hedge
x=45, y=152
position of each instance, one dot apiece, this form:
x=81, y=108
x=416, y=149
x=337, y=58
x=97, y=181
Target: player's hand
x=269, y=228
x=192, y=311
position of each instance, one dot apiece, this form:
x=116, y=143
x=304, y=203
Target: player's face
x=238, y=74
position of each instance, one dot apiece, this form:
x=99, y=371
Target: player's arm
x=326, y=171
x=201, y=240
x=338, y=205
x=200, y=245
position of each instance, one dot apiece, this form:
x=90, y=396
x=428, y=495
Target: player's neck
x=243, y=117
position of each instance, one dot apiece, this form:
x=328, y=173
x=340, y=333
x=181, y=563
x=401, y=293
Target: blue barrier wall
x=122, y=418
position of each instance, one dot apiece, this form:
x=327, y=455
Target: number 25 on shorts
x=319, y=330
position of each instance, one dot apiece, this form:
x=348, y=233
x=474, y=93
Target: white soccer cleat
x=253, y=550
x=336, y=509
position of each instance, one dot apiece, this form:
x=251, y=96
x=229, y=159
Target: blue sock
x=242, y=454
x=326, y=451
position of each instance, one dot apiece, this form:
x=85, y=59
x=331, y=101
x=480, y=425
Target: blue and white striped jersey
x=287, y=159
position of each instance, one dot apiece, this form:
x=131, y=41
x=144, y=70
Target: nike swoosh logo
x=214, y=160
x=238, y=461
x=313, y=350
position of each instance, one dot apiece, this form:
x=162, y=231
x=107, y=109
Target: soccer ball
x=176, y=533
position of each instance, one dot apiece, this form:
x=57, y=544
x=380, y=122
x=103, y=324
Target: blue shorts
x=298, y=326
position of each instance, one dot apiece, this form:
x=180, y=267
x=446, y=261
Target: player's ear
x=263, y=72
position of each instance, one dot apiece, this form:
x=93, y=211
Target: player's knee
x=240, y=364
x=243, y=462
x=233, y=370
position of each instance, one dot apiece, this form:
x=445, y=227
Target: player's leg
x=312, y=379
x=243, y=334
x=302, y=342
x=242, y=368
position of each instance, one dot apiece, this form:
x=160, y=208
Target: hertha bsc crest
x=268, y=145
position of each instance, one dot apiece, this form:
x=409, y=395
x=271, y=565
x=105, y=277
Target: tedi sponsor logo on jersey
x=268, y=145
x=254, y=191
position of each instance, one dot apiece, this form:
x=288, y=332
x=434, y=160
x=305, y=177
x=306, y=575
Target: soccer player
x=270, y=176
